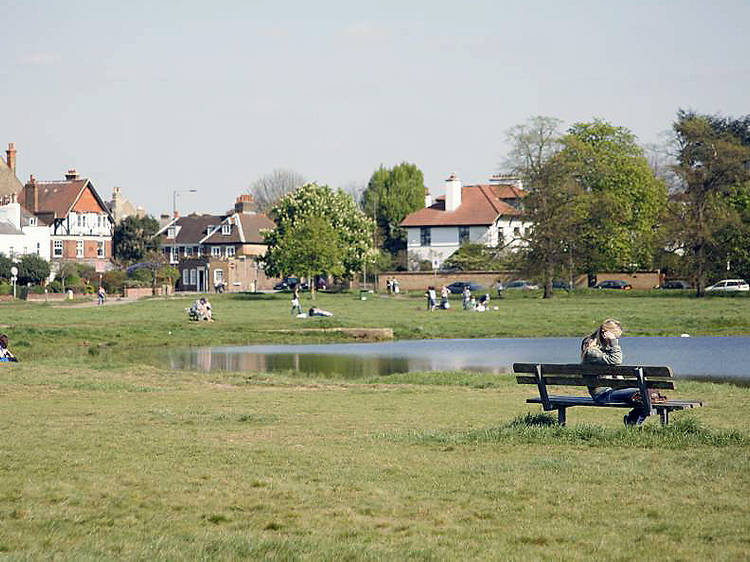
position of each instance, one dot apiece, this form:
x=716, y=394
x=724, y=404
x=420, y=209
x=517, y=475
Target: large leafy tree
x=132, y=237
x=550, y=204
x=622, y=199
x=348, y=232
x=712, y=164
x=391, y=194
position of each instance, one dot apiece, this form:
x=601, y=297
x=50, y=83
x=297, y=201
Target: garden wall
x=420, y=280
x=640, y=280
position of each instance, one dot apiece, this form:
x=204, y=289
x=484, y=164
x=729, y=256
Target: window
x=185, y=277
x=218, y=276
x=424, y=236
x=12, y=252
x=82, y=220
x=32, y=221
x=99, y=221
x=57, y=248
x=463, y=234
x=171, y=232
x=100, y=249
x=226, y=229
x=517, y=232
x=79, y=248
x=188, y=250
x=173, y=256
x=230, y=251
x=38, y=249
x=193, y=276
x=500, y=236
x=215, y=251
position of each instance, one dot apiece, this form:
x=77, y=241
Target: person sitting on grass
x=5, y=354
x=603, y=348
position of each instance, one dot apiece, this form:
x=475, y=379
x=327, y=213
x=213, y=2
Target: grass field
x=105, y=456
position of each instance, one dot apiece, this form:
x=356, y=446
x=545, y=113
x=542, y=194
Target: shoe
x=626, y=420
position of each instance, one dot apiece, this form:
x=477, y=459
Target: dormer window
x=171, y=232
x=226, y=229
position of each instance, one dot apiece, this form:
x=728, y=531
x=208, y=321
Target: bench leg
x=561, y=416
x=664, y=416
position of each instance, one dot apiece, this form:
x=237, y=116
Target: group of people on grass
x=201, y=309
x=298, y=311
x=392, y=286
x=468, y=300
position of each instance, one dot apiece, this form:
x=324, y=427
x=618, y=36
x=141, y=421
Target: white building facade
x=21, y=233
x=488, y=214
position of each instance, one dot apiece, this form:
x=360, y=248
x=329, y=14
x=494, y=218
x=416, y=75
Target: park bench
x=613, y=376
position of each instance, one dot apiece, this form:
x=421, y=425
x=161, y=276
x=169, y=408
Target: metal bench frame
x=614, y=376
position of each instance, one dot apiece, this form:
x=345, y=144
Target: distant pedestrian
x=431, y=298
x=101, y=295
x=296, y=306
x=395, y=286
x=467, y=297
x=444, y=304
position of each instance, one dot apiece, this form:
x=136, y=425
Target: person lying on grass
x=5, y=353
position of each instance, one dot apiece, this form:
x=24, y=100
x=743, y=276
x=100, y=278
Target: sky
x=163, y=96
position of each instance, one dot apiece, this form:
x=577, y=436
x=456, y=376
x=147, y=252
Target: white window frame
x=230, y=251
x=57, y=248
x=81, y=222
x=80, y=248
x=100, y=250
x=173, y=255
x=171, y=232
x=218, y=276
x=193, y=277
x=32, y=221
x=215, y=251
x=188, y=251
x=226, y=229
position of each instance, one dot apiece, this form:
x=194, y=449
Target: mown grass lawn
x=103, y=456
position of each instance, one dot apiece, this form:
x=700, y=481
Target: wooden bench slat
x=630, y=382
x=589, y=369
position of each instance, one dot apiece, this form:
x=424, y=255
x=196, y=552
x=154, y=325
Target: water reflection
x=702, y=357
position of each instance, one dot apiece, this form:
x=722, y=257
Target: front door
x=201, y=279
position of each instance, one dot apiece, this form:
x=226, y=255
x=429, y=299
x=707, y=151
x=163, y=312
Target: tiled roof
x=56, y=197
x=192, y=228
x=9, y=183
x=480, y=205
x=247, y=232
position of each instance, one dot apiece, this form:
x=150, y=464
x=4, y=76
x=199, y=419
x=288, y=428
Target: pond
x=704, y=358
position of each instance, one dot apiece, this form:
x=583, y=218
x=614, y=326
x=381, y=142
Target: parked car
x=614, y=284
x=675, y=284
x=457, y=287
x=558, y=284
x=288, y=284
x=521, y=284
x=729, y=286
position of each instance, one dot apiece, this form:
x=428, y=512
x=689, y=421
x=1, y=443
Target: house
x=490, y=214
x=211, y=250
x=21, y=232
x=79, y=222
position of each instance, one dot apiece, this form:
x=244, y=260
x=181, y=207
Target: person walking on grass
x=431, y=298
x=101, y=295
x=296, y=306
x=603, y=348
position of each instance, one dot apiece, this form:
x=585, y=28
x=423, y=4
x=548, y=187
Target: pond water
x=712, y=358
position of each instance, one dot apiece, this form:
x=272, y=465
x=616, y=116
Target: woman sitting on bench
x=602, y=348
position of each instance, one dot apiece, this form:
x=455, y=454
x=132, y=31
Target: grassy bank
x=136, y=462
x=36, y=329
x=105, y=456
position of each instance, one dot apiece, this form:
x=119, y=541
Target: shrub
x=5, y=288
x=113, y=281
x=143, y=275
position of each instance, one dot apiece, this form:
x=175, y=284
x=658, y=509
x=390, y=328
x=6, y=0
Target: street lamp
x=174, y=198
x=14, y=278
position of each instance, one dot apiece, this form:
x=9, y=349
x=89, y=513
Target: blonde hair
x=596, y=339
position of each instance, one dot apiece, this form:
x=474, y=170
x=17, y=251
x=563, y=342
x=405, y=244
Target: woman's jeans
x=636, y=416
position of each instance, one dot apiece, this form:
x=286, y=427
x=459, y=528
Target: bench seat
x=644, y=378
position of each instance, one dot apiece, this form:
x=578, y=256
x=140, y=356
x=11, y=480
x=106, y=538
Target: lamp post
x=175, y=192
x=14, y=278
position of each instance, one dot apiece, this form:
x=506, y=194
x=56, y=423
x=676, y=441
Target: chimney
x=72, y=174
x=31, y=195
x=452, y=193
x=11, y=157
x=427, y=198
x=244, y=204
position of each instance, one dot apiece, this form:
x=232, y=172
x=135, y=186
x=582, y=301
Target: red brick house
x=80, y=222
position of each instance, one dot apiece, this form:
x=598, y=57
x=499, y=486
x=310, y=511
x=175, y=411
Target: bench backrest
x=576, y=374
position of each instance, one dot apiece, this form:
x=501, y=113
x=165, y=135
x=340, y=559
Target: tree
x=474, y=257
x=348, y=231
x=712, y=164
x=269, y=188
x=5, y=264
x=32, y=269
x=535, y=155
x=621, y=201
x=132, y=237
x=391, y=194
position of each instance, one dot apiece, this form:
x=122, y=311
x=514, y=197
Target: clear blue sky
x=156, y=96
